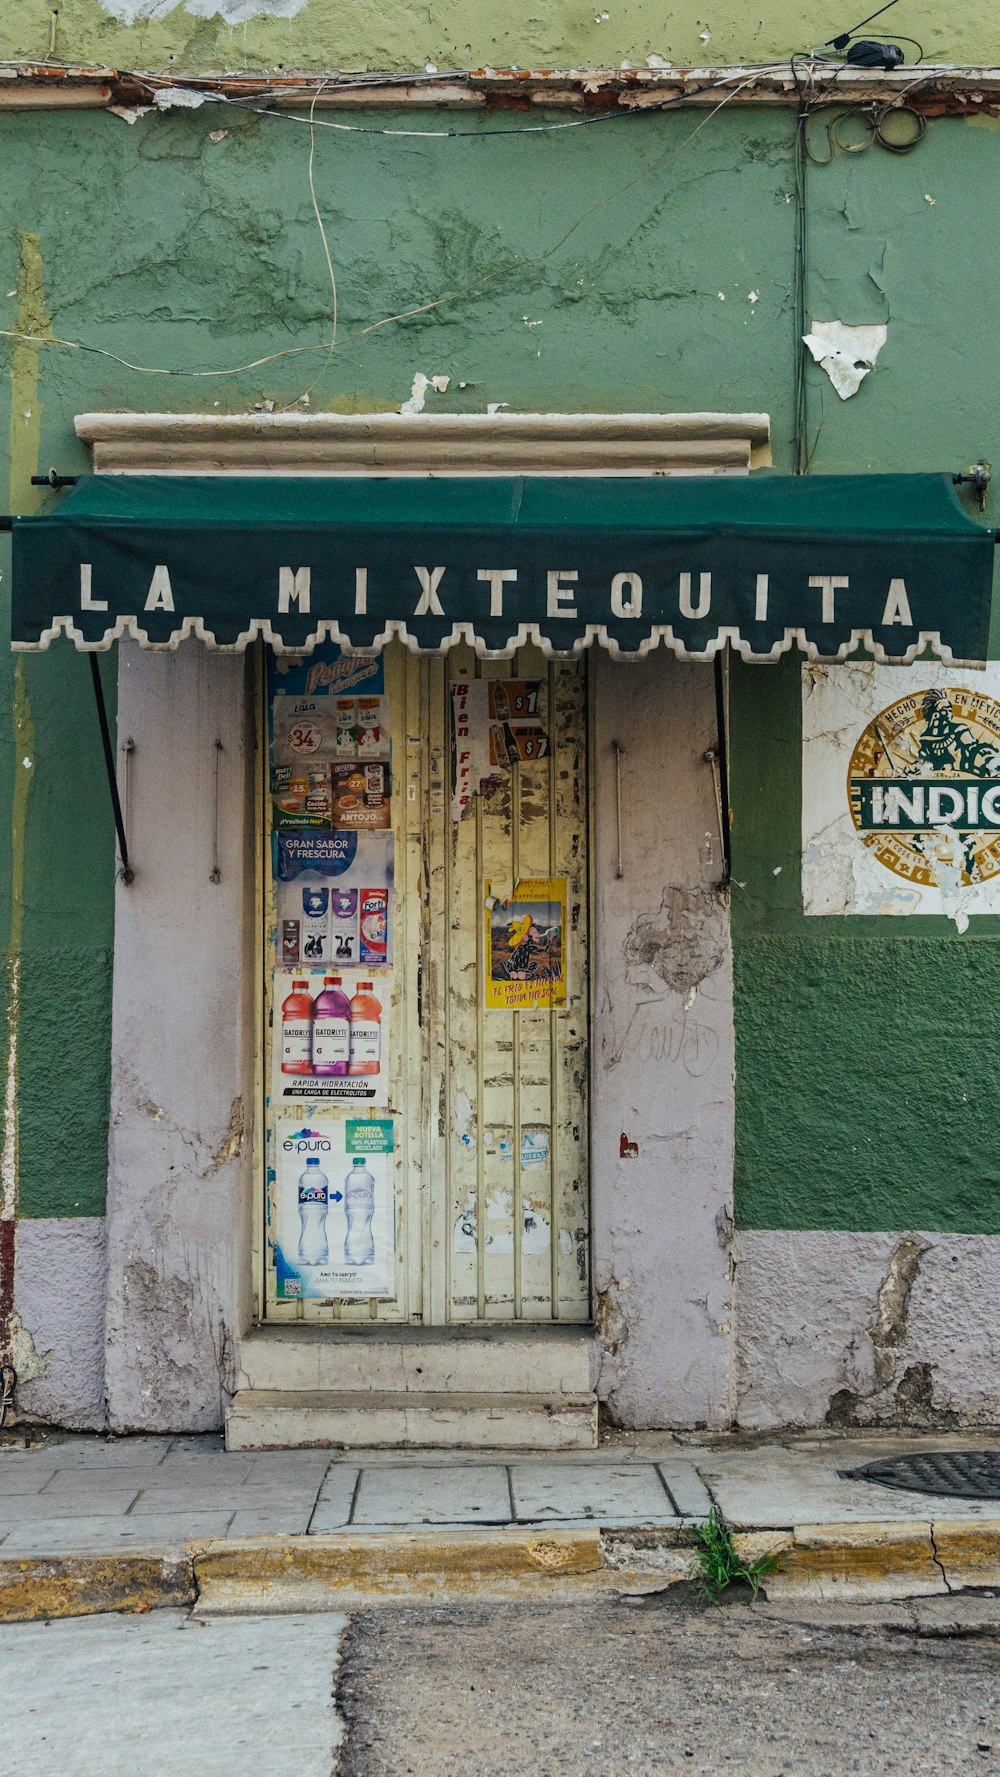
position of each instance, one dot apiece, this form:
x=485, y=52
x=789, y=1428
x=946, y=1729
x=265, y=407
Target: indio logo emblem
x=924, y=787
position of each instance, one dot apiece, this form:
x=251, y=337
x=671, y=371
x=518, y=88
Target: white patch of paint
x=418, y=393
x=234, y=12
x=847, y=354
x=177, y=98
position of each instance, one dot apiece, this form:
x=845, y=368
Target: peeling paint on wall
x=847, y=354
x=235, y=12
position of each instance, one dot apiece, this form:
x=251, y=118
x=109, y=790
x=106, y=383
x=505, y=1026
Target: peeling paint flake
x=847, y=354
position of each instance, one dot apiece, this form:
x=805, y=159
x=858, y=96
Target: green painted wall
x=642, y=265
x=234, y=34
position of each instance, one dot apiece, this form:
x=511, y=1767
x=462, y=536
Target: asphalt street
x=605, y=1685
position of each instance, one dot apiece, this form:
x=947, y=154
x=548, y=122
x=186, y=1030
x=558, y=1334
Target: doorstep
x=503, y=1387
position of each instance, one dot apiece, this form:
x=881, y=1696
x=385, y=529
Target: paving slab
x=217, y=1698
x=61, y=1535
x=76, y=1481
x=277, y=1522
x=418, y=1495
x=603, y=1494
x=197, y=1498
x=88, y=1451
x=14, y=1482
x=686, y=1487
x=91, y=1501
x=775, y=1487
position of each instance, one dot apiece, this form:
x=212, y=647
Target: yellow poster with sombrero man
x=525, y=945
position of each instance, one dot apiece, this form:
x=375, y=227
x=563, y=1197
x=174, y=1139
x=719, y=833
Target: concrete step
x=268, y=1419
x=546, y=1360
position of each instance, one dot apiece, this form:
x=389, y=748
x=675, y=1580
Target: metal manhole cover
x=963, y=1474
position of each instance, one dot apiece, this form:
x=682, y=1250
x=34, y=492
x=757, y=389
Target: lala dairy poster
x=330, y=1042
x=334, y=1225
x=328, y=707
x=525, y=945
x=334, y=895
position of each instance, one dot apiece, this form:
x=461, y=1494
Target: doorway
x=475, y=1133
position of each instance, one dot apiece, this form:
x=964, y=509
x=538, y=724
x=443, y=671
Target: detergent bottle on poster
x=366, y=1031
x=359, y=1202
x=314, y=1202
x=331, y=1040
x=296, y=1030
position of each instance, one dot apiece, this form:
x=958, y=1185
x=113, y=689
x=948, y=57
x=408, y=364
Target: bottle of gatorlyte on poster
x=366, y=1031
x=331, y=1036
x=315, y=924
x=359, y=1203
x=314, y=1204
x=296, y=1030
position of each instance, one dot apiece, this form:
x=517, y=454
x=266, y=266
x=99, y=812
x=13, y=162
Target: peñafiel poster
x=328, y=708
x=330, y=1042
x=525, y=945
x=334, y=895
x=335, y=1212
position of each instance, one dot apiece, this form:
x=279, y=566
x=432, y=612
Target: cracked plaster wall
x=180, y=1181
x=662, y=1061
x=215, y=34
x=847, y=1329
x=60, y=1283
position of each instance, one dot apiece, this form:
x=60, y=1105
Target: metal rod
x=126, y=872
x=619, y=750
x=721, y=767
x=216, y=873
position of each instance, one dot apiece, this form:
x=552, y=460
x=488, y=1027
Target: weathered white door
x=489, y=1105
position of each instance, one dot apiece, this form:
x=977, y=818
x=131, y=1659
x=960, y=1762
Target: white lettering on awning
x=897, y=605
x=86, y=602
x=828, y=583
x=294, y=588
x=704, y=605
x=626, y=595
x=361, y=592
x=559, y=597
x=760, y=602
x=430, y=580
x=159, y=597
x=495, y=578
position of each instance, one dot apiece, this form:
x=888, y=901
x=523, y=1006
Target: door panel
x=489, y=1106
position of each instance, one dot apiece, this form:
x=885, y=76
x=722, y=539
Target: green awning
x=829, y=563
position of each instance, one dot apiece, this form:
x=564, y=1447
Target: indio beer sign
x=924, y=786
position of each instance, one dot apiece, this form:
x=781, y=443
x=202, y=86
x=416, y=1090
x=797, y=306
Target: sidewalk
x=81, y=1516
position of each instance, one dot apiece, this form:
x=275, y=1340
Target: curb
x=837, y=1562
x=37, y=1587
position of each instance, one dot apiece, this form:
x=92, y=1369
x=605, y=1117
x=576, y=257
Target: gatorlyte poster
x=330, y=1042
x=525, y=945
x=334, y=1208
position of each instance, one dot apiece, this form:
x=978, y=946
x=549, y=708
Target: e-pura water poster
x=331, y=1197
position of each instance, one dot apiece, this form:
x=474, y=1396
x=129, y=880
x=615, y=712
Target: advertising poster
x=495, y=724
x=526, y=945
x=330, y=1042
x=335, y=1210
x=334, y=896
x=320, y=728
x=901, y=790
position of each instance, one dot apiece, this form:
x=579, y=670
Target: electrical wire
x=486, y=277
